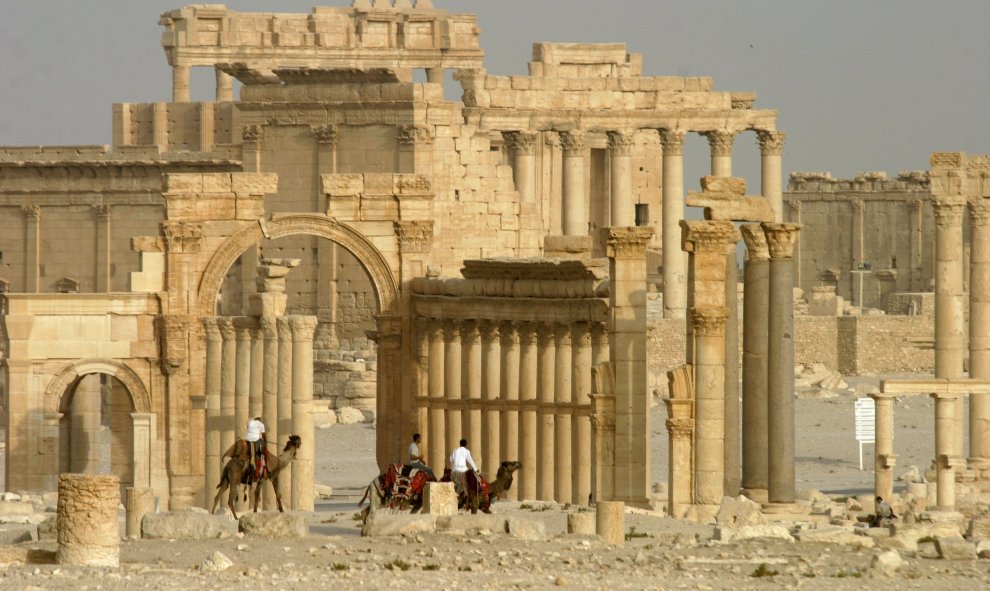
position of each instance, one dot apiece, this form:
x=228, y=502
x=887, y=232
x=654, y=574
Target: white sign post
x=866, y=424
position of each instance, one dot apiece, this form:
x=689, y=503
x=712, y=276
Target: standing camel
x=233, y=473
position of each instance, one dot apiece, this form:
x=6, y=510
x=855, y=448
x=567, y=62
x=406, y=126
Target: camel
x=479, y=493
x=233, y=472
x=400, y=486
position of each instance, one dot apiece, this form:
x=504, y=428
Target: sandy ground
x=671, y=554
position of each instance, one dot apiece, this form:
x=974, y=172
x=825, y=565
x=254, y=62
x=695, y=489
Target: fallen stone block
x=13, y=533
x=955, y=548
x=274, y=525
x=526, y=529
x=48, y=529
x=983, y=548
x=471, y=523
x=16, y=508
x=217, y=562
x=979, y=528
x=835, y=535
x=739, y=511
x=186, y=526
x=886, y=564
x=746, y=532
x=581, y=523
x=380, y=524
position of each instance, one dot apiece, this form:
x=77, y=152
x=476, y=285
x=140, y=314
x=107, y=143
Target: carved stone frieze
x=183, y=237
x=326, y=135
x=410, y=135
x=781, y=239
x=414, y=236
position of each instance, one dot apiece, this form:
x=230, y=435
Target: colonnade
x=261, y=366
x=516, y=390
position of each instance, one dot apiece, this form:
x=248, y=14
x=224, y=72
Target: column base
x=978, y=463
x=757, y=495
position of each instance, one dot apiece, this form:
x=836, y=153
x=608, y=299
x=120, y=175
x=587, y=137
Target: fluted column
x=225, y=89
x=547, y=367
x=180, y=84
x=471, y=388
x=979, y=329
x=563, y=397
x=581, y=423
x=284, y=402
x=452, y=383
x=950, y=321
x=574, y=204
x=523, y=145
x=490, y=390
x=528, y=423
x=720, y=143
x=780, y=364
x=214, y=370
x=771, y=149
x=228, y=380
x=884, y=457
x=302, y=410
x=706, y=243
x=674, y=260
x=257, y=384
x=623, y=210
x=242, y=384
x=509, y=418
x=436, y=444
x=269, y=399
x=754, y=371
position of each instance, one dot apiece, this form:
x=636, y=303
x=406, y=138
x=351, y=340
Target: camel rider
x=416, y=459
x=255, y=439
x=460, y=459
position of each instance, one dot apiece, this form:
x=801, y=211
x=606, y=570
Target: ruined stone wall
x=872, y=345
x=816, y=340
x=175, y=126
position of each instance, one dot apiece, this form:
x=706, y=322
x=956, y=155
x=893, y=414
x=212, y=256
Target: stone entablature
x=907, y=181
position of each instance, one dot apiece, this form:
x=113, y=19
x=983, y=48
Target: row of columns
x=180, y=84
x=515, y=391
x=574, y=201
x=261, y=366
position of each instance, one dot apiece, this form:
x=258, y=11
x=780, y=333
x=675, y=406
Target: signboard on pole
x=866, y=424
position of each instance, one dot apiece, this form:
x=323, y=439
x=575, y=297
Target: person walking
x=460, y=459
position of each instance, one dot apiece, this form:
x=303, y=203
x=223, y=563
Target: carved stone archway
x=75, y=370
x=382, y=278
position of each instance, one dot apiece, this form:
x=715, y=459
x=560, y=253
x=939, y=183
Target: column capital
x=211, y=326
x=410, y=135
x=434, y=329
x=700, y=236
x=226, y=326
x=681, y=428
x=771, y=142
x=31, y=211
x=781, y=239
x=490, y=331
x=414, y=236
x=720, y=141
x=243, y=326
x=672, y=141
x=526, y=332
x=915, y=205
x=102, y=212
x=756, y=242
x=268, y=327
x=326, y=135
x=857, y=206
x=182, y=237
x=796, y=206
x=620, y=143
x=522, y=142
x=508, y=333
x=563, y=335
x=948, y=210
x=581, y=334
x=545, y=333
x=572, y=142
x=709, y=322
x=452, y=331
x=302, y=327
x=627, y=242
x=470, y=331
x=283, y=328
x=979, y=211
x=252, y=134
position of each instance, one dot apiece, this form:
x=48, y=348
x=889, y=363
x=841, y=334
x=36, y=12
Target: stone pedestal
x=440, y=499
x=610, y=521
x=88, y=529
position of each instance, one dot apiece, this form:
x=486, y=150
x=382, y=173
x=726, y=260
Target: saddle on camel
x=477, y=492
x=400, y=486
x=251, y=452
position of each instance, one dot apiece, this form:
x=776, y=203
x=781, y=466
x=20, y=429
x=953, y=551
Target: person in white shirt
x=416, y=459
x=460, y=459
x=255, y=439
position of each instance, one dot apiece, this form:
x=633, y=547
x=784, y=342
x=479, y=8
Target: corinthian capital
x=521, y=142
x=707, y=235
x=252, y=133
x=672, y=142
x=781, y=239
x=979, y=211
x=415, y=134
x=720, y=142
x=771, y=142
x=620, y=143
x=756, y=242
x=325, y=134
x=948, y=211
x=572, y=142
x=709, y=322
x=414, y=236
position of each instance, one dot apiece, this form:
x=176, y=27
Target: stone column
x=228, y=373
x=885, y=459
x=771, y=149
x=780, y=364
x=950, y=320
x=88, y=529
x=603, y=435
x=302, y=410
x=392, y=435
x=143, y=435
x=574, y=203
x=917, y=244
x=796, y=218
x=32, y=248
x=523, y=145
x=547, y=366
x=623, y=211
x=674, y=260
x=103, y=248
x=471, y=389
x=252, y=137
x=720, y=143
x=269, y=399
x=242, y=383
x=326, y=150
x=610, y=517
x=284, y=403
x=681, y=429
x=225, y=88
x=509, y=445
x=434, y=75
x=452, y=384
x=857, y=210
x=207, y=119
x=180, y=84
x=159, y=125
x=527, y=396
x=436, y=444
x=706, y=243
x=564, y=467
x=946, y=461
x=422, y=383
x=581, y=422
x=979, y=330
x=139, y=502
x=627, y=353
x=257, y=384
x=214, y=371
x=754, y=371
x=490, y=385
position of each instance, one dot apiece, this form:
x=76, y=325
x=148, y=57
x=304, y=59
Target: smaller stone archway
x=142, y=420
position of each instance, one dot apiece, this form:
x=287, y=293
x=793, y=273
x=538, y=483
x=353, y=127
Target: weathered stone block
x=343, y=184
x=835, y=535
x=886, y=564
x=739, y=511
x=274, y=525
x=471, y=523
x=731, y=534
x=715, y=184
x=254, y=183
x=381, y=523
x=979, y=527
x=440, y=498
x=16, y=533
x=581, y=523
x=610, y=520
x=525, y=529
x=955, y=548
x=187, y=526
x=16, y=508
x=88, y=530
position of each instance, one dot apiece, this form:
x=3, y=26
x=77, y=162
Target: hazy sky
x=859, y=85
